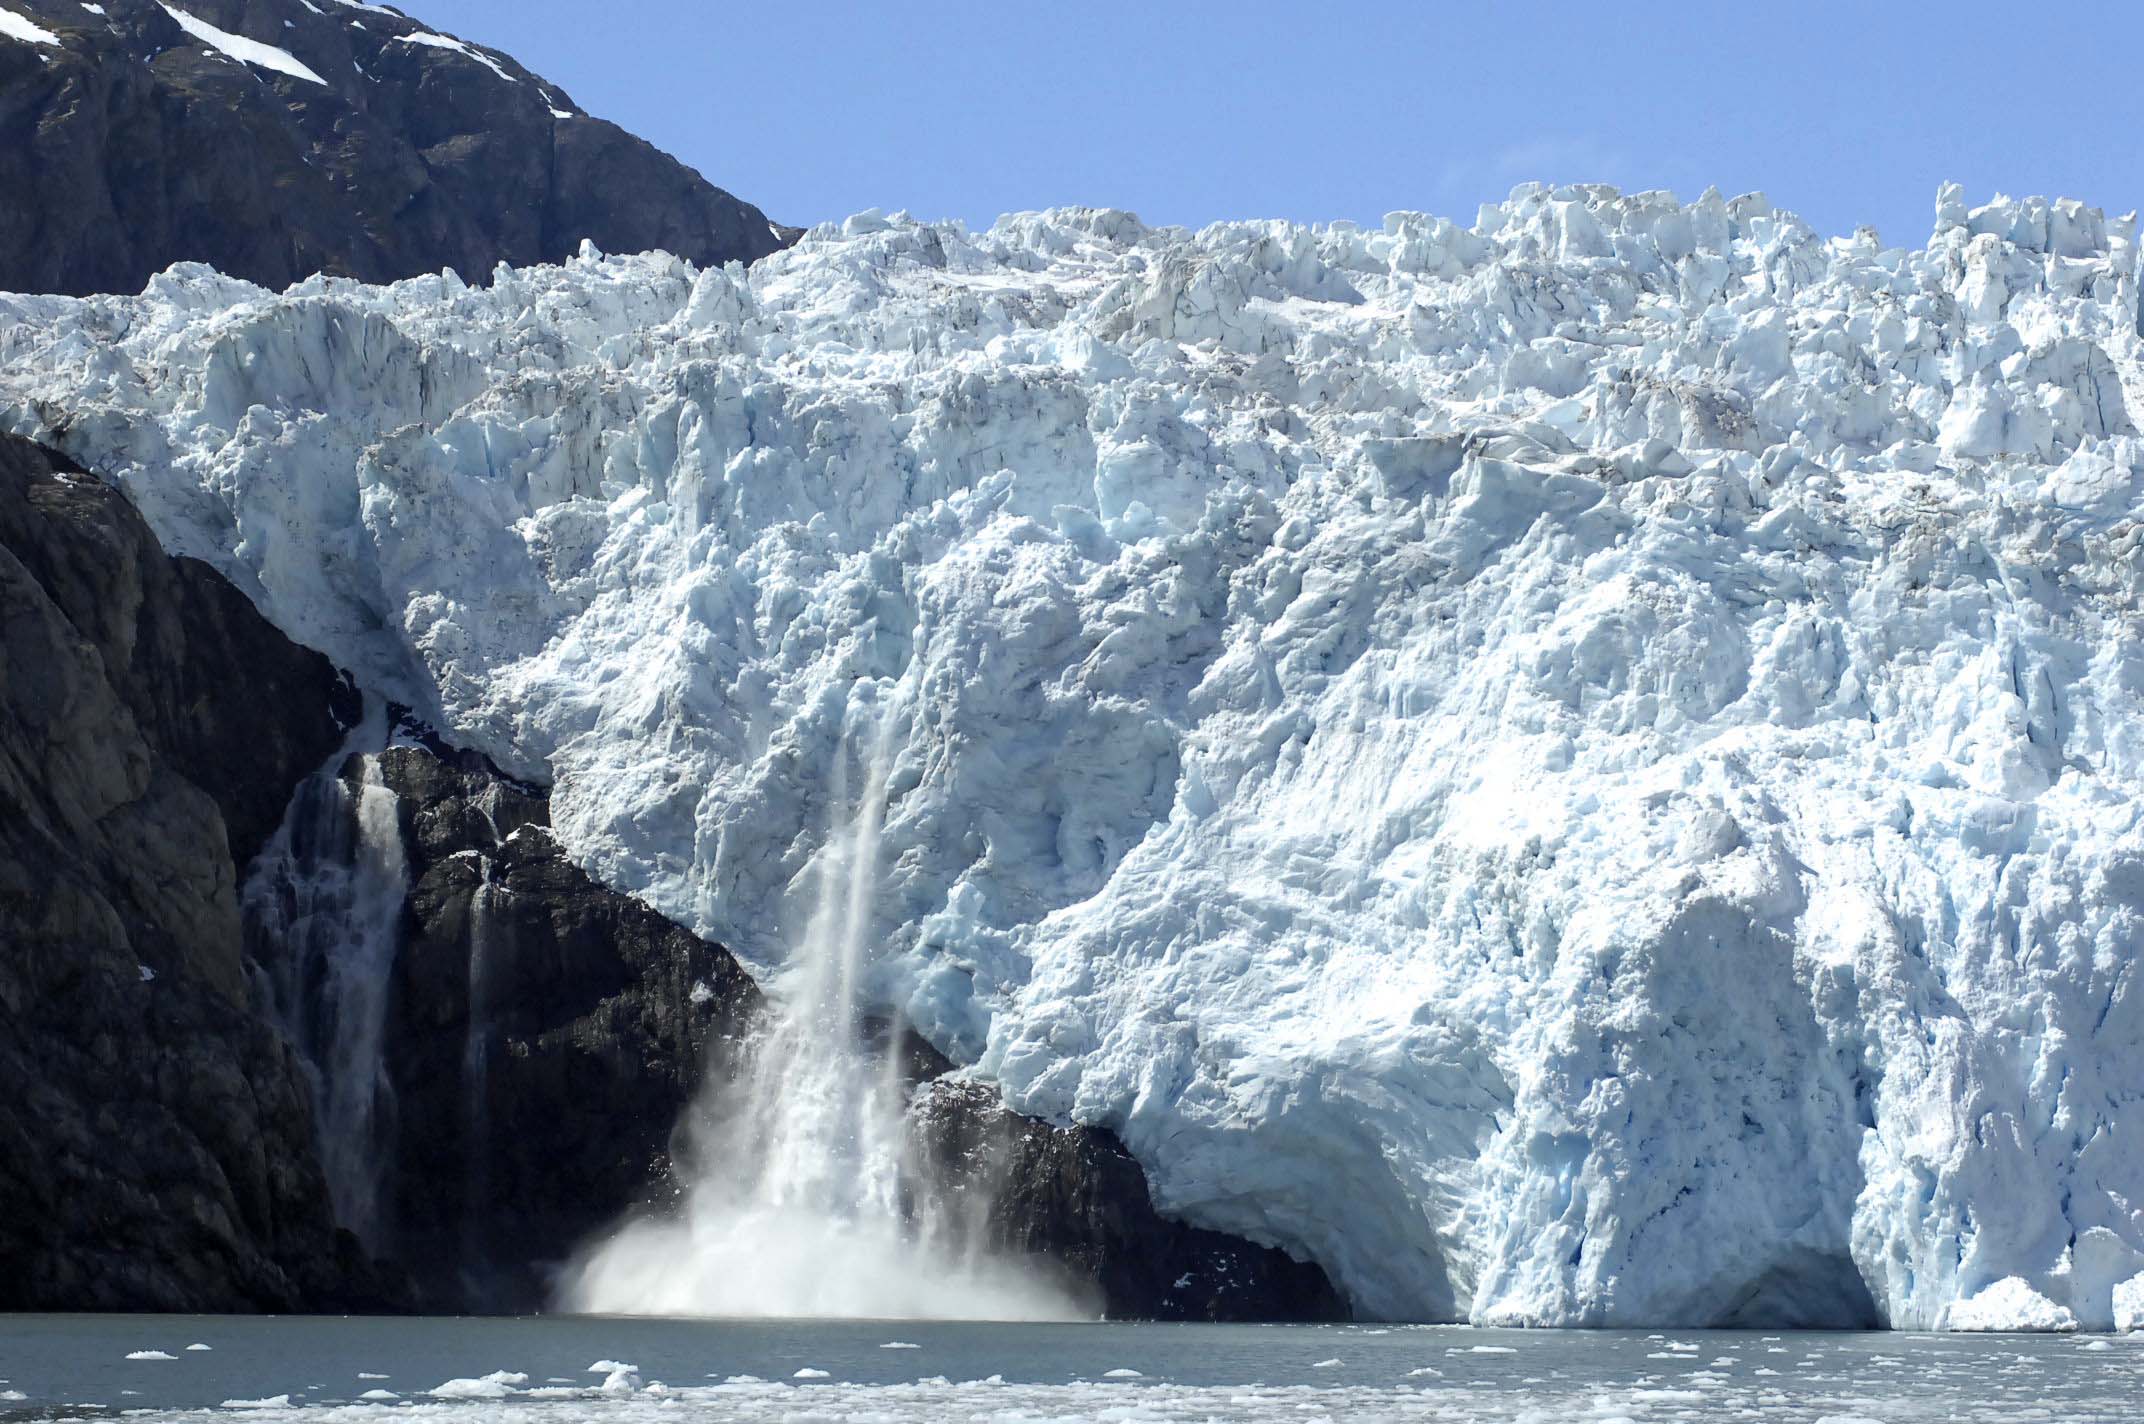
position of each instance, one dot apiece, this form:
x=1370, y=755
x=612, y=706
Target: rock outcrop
x=155, y=1135
x=545, y=1036
x=273, y=139
x=1075, y=1197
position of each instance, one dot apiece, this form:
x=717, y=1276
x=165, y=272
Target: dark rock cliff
x=1075, y=1197
x=545, y=1039
x=132, y=144
x=155, y=1135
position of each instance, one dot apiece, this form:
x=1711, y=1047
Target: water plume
x=801, y=1199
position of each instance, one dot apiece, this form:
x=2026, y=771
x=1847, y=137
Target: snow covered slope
x=1579, y=770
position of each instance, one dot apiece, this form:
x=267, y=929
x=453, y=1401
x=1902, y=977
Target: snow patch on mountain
x=238, y=47
x=1584, y=769
x=21, y=27
x=455, y=46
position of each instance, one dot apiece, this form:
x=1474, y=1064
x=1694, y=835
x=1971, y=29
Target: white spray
x=800, y=1201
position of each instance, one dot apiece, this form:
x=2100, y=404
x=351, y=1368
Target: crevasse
x=1583, y=769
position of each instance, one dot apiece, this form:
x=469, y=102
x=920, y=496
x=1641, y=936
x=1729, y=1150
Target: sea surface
x=319, y=1369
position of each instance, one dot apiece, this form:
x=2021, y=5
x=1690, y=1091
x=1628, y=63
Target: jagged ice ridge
x=1579, y=770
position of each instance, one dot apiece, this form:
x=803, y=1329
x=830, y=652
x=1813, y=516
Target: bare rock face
x=288, y=138
x=1074, y=1196
x=545, y=1037
x=155, y=1135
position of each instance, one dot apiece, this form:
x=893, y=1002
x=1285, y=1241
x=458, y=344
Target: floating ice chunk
x=367, y=1374
x=1429, y=1370
x=197, y=1345
x=1327, y=1364
x=499, y=1384
x=150, y=1355
x=899, y=1345
x=379, y=1394
x=12, y=1396
x=1122, y=1374
x=273, y=1401
x=2010, y=1304
x=809, y=1373
x=238, y=47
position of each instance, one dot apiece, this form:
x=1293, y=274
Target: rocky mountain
x=273, y=139
x=156, y=1142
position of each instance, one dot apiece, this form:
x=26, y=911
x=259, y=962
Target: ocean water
x=583, y=1368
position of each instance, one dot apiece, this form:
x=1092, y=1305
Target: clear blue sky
x=1186, y=111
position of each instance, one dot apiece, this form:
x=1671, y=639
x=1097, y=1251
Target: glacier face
x=1583, y=770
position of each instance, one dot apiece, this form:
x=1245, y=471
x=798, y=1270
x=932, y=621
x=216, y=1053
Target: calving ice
x=1578, y=770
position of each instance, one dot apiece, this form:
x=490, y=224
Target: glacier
x=1578, y=770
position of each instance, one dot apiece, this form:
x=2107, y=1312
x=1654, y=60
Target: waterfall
x=323, y=916
x=476, y=1064
x=800, y=1200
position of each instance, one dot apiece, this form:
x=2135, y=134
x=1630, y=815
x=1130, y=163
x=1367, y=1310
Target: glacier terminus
x=1578, y=770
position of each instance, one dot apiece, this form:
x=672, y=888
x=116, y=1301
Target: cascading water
x=800, y=1200
x=323, y=913
x=476, y=1063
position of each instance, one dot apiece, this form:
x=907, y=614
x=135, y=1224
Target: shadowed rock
x=155, y=1135
x=132, y=144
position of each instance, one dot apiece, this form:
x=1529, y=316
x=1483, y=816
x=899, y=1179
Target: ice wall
x=1583, y=769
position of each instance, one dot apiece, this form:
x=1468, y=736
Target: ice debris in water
x=150, y=1355
x=2010, y=1304
x=499, y=1384
x=1575, y=770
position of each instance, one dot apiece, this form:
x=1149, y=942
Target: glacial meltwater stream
x=323, y=905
